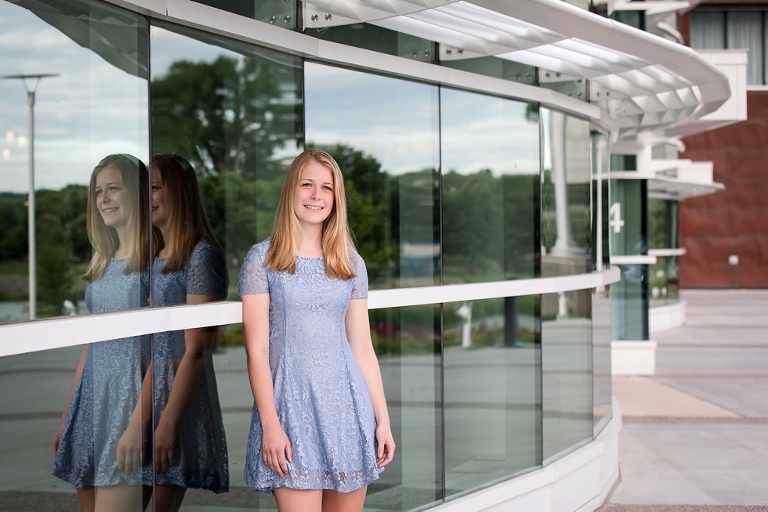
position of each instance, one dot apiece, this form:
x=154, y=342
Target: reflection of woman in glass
x=320, y=430
x=189, y=445
x=100, y=441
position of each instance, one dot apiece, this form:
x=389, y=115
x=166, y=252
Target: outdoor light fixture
x=31, y=89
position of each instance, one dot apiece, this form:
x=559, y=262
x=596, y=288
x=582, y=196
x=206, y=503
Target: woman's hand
x=386, y=446
x=130, y=449
x=276, y=450
x=165, y=445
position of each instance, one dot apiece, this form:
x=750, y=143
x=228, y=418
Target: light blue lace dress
x=201, y=456
x=321, y=397
x=108, y=389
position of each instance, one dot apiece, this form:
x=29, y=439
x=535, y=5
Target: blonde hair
x=336, y=238
x=104, y=240
x=187, y=220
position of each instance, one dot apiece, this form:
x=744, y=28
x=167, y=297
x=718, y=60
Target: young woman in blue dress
x=190, y=448
x=320, y=430
x=103, y=433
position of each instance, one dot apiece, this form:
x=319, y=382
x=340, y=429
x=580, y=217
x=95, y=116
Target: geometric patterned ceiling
x=641, y=82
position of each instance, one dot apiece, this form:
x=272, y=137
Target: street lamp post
x=31, y=201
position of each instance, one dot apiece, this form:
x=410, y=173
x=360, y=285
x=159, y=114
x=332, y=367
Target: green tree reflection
x=225, y=116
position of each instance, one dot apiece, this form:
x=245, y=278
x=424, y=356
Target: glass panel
x=665, y=152
x=707, y=30
x=491, y=66
x=628, y=237
x=490, y=162
x=566, y=202
x=764, y=48
x=663, y=230
x=632, y=18
x=384, y=134
x=281, y=13
x=745, y=30
x=628, y=212
x=91, y=413
x=623, y=162
x=492, y=400
x=572, y=88
x=225, y=120
x=93, y=104
x=601, y=358
x=407, y=343
x=378, y=39
x=665, y=281
x=628, y=298
x=566, y=369
x=601, y=202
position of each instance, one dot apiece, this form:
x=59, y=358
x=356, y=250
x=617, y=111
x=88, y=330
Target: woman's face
x=112, y=199
x=313, y=196
x=160, y=210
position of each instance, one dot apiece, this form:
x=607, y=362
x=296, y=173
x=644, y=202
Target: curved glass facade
x=462, y=204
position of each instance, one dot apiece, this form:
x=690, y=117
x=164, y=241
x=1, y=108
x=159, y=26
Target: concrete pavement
x=695, y=434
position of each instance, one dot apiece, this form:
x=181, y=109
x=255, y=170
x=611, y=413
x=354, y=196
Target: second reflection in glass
x=190, y=448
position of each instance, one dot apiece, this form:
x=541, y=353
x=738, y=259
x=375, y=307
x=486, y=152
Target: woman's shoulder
x=357, y=261
x=353, y=254
x=258, y=251
x=263, y=246
x=205, y=249
x=254, y=274
x=206, y=245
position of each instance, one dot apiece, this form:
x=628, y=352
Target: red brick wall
x=735, y=221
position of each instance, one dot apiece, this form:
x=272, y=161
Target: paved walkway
x=695, y=435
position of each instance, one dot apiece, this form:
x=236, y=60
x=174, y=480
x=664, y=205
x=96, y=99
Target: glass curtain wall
x=444, y=187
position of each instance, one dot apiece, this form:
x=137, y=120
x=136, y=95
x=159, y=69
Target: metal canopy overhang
x=644, y=83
